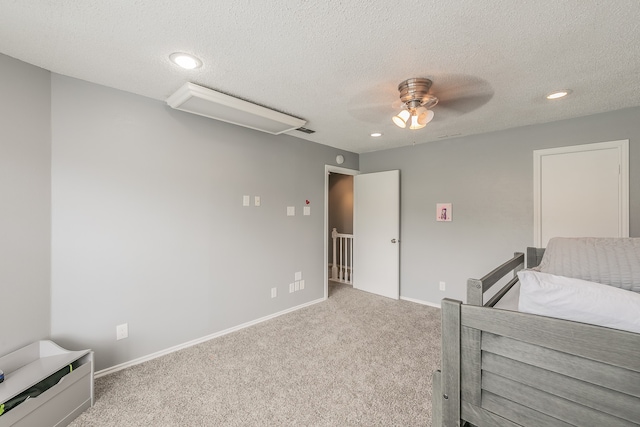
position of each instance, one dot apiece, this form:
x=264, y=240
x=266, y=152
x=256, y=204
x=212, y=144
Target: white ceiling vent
x=215, y=105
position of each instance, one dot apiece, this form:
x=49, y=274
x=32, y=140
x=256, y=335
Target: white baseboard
x=417, y=301
x=191, y=343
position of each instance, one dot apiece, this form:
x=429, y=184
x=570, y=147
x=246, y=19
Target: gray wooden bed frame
x=504, y=368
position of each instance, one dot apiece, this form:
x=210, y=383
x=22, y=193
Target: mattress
x=578, y=300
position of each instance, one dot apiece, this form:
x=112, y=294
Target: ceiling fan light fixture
x=401, y=119
x=415, y=123
x=414, y=93
x=424, y=115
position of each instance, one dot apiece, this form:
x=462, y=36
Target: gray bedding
x=610, y=261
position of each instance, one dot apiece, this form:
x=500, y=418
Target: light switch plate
x=301, y=284
x=307, y=210
x=245, y=200
x=291, y=210
x=256, y=201
x=298, y=275
x=122, y=331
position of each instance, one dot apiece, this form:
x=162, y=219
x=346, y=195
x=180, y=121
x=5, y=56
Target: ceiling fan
x=417, y=103
x=454, y=94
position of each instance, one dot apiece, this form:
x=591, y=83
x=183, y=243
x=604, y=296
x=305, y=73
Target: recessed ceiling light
x=376, y=134
x=186, y=61
x=559, y=94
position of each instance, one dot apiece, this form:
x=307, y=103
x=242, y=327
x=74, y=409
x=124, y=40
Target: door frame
x=327, y=170
x=623, y=180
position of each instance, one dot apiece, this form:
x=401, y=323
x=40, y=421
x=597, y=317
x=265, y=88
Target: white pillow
x=579, y=300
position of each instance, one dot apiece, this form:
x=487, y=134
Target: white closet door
x=581, y=191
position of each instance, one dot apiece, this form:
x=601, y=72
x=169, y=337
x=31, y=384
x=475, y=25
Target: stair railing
x=342, y=267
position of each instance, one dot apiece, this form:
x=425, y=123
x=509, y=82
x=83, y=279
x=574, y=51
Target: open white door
x=376, y=226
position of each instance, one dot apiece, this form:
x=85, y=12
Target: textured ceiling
x=337, y=64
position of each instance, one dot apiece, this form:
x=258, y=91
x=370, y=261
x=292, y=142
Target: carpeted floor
x=356, y=359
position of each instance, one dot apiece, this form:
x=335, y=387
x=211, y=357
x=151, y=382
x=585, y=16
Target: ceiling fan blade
x=460, y=94
x=375, y=104
x=372, y=113
x=465, y=104
x=456, y=85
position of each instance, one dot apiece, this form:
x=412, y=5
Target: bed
x=502, y=367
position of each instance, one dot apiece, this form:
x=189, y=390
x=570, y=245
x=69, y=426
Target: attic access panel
x=219, y=106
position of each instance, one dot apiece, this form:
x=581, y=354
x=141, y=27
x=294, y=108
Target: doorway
x=376, y=209
x=338, y=211
x=341, y=227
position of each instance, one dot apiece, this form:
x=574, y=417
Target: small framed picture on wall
x=443, y=211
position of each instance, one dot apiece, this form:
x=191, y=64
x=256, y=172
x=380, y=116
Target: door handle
x=393, y=240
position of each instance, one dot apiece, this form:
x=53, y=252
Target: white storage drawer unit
x=58, y=405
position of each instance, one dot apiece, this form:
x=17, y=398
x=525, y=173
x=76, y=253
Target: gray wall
x=25, y=204
x=489, y=180
x=149, y=227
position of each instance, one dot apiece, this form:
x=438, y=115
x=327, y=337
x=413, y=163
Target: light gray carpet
x=356, y=359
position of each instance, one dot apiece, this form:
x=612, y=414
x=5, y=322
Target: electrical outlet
x=274, y=292
x=122, y=331
x=442, y=286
